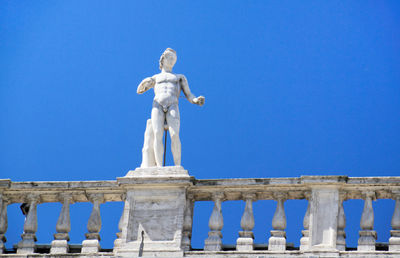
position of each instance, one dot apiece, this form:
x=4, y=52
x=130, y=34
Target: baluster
x=216, y=222
x=245, y=240
x=121, y=222
x=3, y=221
x=341, y=234
x=187, y=223
x=366, y=241
x=27, y=244
x=305, y=240
x=394, y=240
x=91, y=244
x=60, y=243
x=277, y=241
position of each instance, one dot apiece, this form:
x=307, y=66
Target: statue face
x=169, y=59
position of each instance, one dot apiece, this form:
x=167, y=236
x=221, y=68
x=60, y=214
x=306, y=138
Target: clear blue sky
x=292, y=88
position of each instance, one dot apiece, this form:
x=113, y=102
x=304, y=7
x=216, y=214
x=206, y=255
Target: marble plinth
x=154, y=212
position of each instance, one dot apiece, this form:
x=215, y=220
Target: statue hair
x=163, y=55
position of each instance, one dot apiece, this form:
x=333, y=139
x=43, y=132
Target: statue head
x=168, y=58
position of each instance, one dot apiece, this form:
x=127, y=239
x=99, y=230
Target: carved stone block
x=90, y=246
x=277, y=241
x=154, y=212
x=59, y=247
x=323, y=219
x=394, y=240
x=367, y=240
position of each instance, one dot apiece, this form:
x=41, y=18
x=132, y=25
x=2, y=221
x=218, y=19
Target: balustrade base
x=59, y=247
x=287, y=254
x=245, y=241
x=394, y=248
x=27, y=244
x=277, y=241
x=135, y=253
x=213, y=242
x=186, y=241
x=305, y=240
x=312, y=254
x=117, y=243
x=367, y=240
x=144, y=244
x=90, y=246
x=150, y=248
x=394, y=240
x=244, y=244
x=341, y=247
x=2, y=241
x=341, y=240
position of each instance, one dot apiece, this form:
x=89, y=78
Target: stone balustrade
x=324, y=221
x=157, y=218
x=35, y=193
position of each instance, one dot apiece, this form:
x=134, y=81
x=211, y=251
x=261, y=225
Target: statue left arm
x=189, y=95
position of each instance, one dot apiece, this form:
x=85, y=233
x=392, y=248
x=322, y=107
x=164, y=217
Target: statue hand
x=199, y=100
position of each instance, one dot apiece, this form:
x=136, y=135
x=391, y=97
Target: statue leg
x=148, y=159
x=157, y=122
x=173, y=120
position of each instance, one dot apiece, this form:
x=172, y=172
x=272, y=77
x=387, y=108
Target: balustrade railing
x=281, y=189
x=33, y=194
x=324, y=221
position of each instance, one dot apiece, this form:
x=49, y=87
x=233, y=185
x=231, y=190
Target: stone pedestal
x=59, y=246
x=323, y=218
x=90, y=246
x=213, y=241
x=27, y=245
x=394, y=240
x=304, y=241
x=341, y=240
x=154, y=209
x=2, y=245
x=277, y=241
x=367, y=240
x=245, y=242
x=324, y=212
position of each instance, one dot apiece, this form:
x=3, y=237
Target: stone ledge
x=5, y=183
x=272, y=254
x=324, y=180
x=159, y=172
x=155, y=176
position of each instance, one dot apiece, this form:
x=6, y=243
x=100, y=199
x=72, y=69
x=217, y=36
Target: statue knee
x=158, y=135
x=147, y=148
x=174, y=136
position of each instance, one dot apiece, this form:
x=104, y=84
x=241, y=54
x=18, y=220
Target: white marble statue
x=165, y=112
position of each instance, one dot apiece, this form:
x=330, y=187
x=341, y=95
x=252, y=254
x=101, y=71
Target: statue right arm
x=145, y=85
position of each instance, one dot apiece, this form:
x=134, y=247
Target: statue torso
x=166, y=89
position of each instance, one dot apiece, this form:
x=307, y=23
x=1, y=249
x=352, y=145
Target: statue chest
x=167, y=83
x=167, y=78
